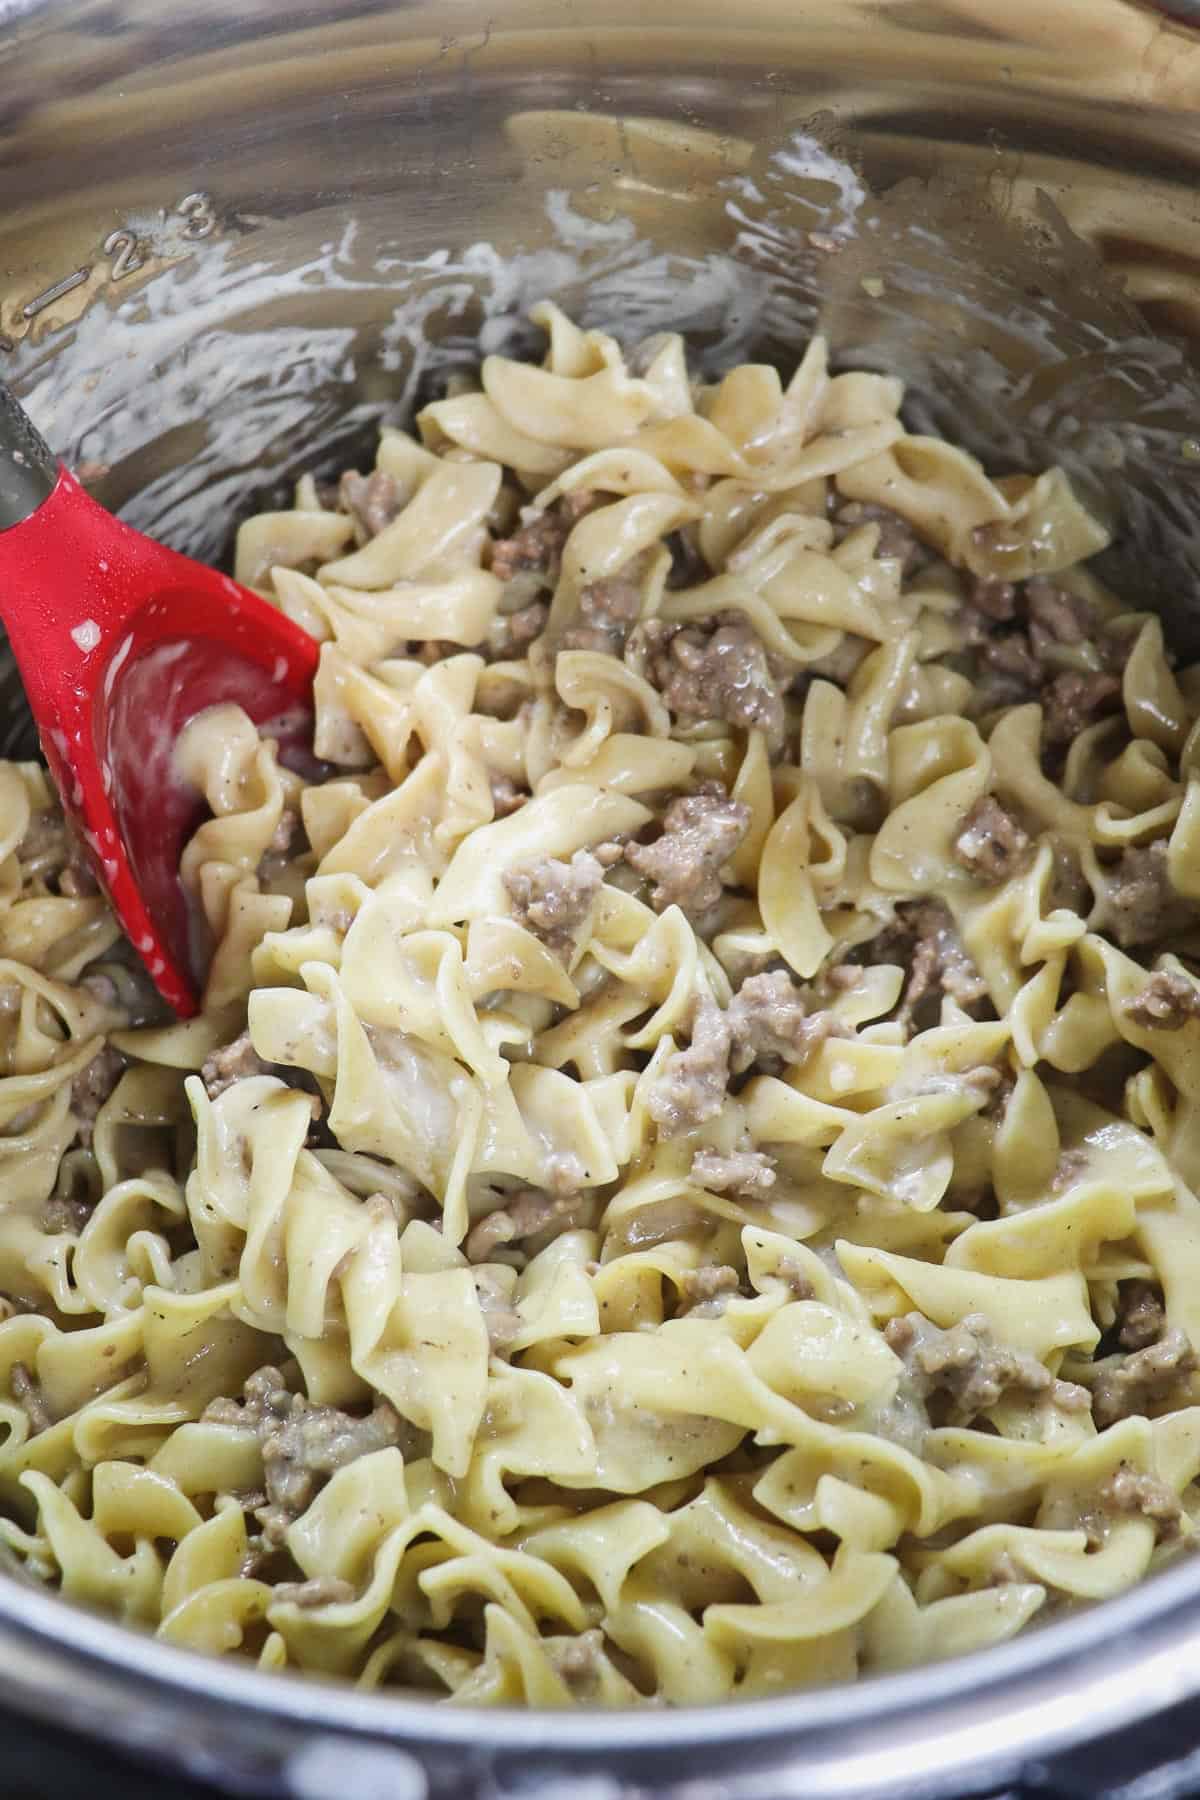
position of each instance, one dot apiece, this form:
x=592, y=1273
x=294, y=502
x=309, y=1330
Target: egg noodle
x=684, y=1182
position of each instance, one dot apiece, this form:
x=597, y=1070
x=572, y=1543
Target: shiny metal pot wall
x=235, y=236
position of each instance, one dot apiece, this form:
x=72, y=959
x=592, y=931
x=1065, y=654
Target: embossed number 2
x=122, y=246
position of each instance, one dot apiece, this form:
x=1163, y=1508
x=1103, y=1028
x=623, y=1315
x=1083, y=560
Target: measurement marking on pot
x=122, y=246
x=46, y=298
x=197, y=209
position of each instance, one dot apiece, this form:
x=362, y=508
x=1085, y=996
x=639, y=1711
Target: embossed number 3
x=197, y=209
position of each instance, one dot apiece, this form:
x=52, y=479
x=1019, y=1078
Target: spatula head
x=120, y=642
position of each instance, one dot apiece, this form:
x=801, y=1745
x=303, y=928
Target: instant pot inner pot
x=253, y=255
x=230, y=246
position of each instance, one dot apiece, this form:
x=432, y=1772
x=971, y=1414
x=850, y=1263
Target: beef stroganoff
x=684, y=1183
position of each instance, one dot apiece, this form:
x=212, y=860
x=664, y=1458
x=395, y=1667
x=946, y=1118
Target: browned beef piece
x=691, y=1088
x=896, y=536
x=288, y=840
x=771, y=1024
x=52, y=852
x=739, y=1172
x=1067, y=887
x=701, y=831
x=302, y=1444
x=92, y=1087
x=964, y=1364
x=723, y=674
x=232, y=1062
x=1143, y=905
x=578, y=1661
x=840, y=665
x=27, y=1392
x=705, y=1292
x=941, y=958
x=45, y=839
x=77, y=879
x=526, y=1213
x=688, y=567
x=1141, y=1317
x=372, y=501
x=553, y=898
x=1011, y=654
x=65, y=1212
x=995, y=599
x=319, y=1590
x=1057, y=616
x=1166, y=1003
x=1073, y=701
x=924, y=939
x=502, y=1321
x=789, y=1270
x=991, y=844
x=1132, y=1384
x=1133, y=1491
x=509, y=635
x=608, y=610
x=537, y=547
x=507, y=797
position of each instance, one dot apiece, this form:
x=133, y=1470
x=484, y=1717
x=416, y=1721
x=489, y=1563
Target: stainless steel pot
x=235, y=235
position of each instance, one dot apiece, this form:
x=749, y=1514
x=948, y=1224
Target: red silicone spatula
x=119, y=643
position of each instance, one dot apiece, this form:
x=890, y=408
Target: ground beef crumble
x=288, y=840
x=991, y=845
x=63, y=1212
x=509, y=635
x=1073, y=701
x=320, y=1590
x=897, y=539
x=501, y=1319
x=537, y=547
x=771, y=1025
x=27, y=1392
x=738, y=1172
x=691, y=1086
x=1141, y=904
x=553, y=899
x=608, y=609
x=92, y=1087
x=1166, y=1003
x=577, y=1660
x=1010, y=673
x=230, y=1063
x=964, y=1365
x=1132, y=1491
x=43, y=849
x=700, y=833
x=1132, y=1384
x=1056, y=616
x=995, y=599
x=372, y=501
x=302, y=1443
x=924, y=939
x=705, y=1292
x=507, y=797
x=1025, y=662
x=526, y=1213
x=722, y=673
x=1141, y=1315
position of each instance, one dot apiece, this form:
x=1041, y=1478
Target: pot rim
x=993, y=1710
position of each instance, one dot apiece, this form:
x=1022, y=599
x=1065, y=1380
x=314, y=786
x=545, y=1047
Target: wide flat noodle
x=685, y=1181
